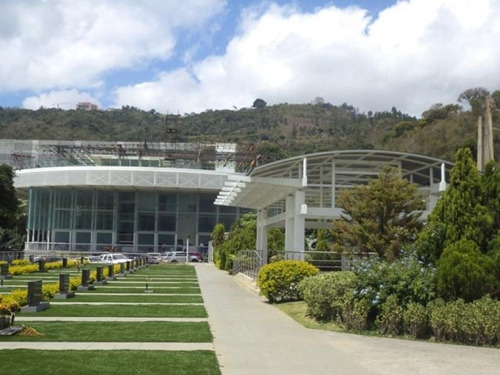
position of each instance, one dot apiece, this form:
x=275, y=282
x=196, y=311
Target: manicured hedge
x=279, y=281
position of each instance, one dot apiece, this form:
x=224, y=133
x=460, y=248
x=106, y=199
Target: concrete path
x=253, y=337
x=107, y=345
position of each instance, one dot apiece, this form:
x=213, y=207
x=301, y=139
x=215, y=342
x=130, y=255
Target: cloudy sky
x=193, y=55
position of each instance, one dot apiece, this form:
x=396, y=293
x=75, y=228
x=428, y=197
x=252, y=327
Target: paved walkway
x=253, y=337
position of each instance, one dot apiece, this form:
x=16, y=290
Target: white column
x=295, y=226
x=261, y=242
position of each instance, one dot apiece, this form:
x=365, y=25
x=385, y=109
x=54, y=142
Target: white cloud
x=61, y=44
x=416, y=53
x=64, y=99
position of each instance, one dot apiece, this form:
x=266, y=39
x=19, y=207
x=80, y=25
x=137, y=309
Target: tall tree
x=459, y=213
x=379, y=217
x=8, y=199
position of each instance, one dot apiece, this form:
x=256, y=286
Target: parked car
x=113, y=258
x=154, y=258
x=180, y=257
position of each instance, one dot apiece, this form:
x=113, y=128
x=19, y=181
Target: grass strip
x=116, y=332
x=166, y=311
x=108, y=362
x=107, y=289
x=125, y=298
x=298, y=312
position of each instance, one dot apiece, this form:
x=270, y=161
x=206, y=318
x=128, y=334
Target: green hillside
x=277, y=131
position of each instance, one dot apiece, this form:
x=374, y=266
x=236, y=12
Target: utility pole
x=485, y=136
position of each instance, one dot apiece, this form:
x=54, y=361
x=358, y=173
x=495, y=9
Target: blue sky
x=195, y=55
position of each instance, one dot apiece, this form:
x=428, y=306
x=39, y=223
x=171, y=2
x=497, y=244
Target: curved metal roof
x=343, y=169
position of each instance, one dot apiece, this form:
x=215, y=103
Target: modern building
x=143, y=197
x=130, y=197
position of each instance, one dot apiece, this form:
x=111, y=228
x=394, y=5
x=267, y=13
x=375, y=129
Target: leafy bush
x=20, y=262
x=324, y=294
x=355, y=313
x=464, y=272
x=416, y=320
x=278, y=281
x=49, y=290
x=390, y=319
x=407, y=278
x=469, y=323
x=19, y=270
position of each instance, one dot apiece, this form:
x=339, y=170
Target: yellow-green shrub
x=14, y=300
x=19, y=270
x=74, y=282
x=278, y=281
x=20, y=262
x=49, y=290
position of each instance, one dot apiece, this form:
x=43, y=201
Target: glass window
x=104, y=220
x=61, y=237
x=63, y=199
x=105, y=238
x=227, y=210
x=126, y=196
x=84, y=199
x=146, y=222
x=146, y=239
x=84, y=220
x=207, y=203
x=188, y=202
x=127, y=207
x=166, y=240
x=227, y=220
x=166, y=223
x=82, y=237
x=146, y=201
x=206, y=223
x=167, y=202
x=105, y=200
x=62, y=219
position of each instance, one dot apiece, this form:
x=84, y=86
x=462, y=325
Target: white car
x=113, y=258
x=179, y=257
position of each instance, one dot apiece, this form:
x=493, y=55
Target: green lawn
x=141, y=289
x=16, y=362
x=182, y=311
x=116, y=331
x=146, y=297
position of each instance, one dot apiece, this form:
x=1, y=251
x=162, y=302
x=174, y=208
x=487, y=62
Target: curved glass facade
x=122, y=220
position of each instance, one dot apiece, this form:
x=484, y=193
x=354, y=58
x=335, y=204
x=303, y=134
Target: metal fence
x=249, y=262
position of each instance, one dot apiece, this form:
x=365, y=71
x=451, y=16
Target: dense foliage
x=12, y=219
x=380, y=217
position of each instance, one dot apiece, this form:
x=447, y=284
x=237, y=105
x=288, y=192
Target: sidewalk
x=253, y=337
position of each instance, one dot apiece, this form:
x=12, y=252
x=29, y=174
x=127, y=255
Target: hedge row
x=333, y=297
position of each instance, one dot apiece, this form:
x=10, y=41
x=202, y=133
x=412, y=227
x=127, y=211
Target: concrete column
x=262, y=234
x=295, y=226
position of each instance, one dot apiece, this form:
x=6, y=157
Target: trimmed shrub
x=390, y=319
x=324, y=294
x=464, y=272
x=354, y=314
x=416, y=320
x=278, y=281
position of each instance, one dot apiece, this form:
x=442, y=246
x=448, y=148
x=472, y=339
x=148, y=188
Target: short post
x=35, y=295
x=85, y=280
x=64, y=291
x=111, y=272
x=65, y=262
x=122, y=268
x=99, y=276
x=147, y=286
x=127, y=265
x=4, y=272
x=41, y=265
